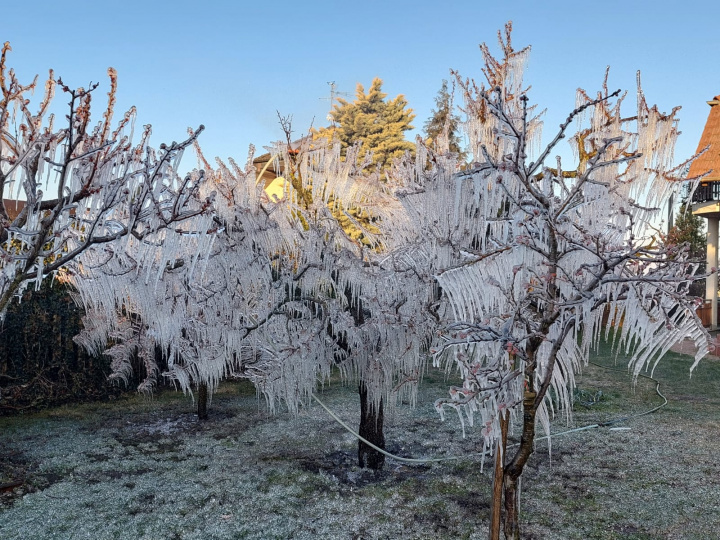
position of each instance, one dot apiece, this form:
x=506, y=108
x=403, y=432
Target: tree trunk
x=371, y=428
x=512, y=508
x=498, y=483
x=513, y=470
x=202, y=401
x=497, y=493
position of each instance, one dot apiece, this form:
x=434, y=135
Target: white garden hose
x=429, y=460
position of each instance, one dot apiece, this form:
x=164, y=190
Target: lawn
x=139, y=468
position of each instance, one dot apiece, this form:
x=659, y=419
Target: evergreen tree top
x=373, y=121
x=442, y=128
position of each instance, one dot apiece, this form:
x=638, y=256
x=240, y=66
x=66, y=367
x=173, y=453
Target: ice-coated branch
x=107, y=189
x=533, y=167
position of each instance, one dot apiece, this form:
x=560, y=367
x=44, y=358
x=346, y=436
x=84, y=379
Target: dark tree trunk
x=202, y=401
x=371, y=428
x=513, y=470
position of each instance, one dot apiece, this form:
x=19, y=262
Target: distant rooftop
x=13, y=207
x=710, y=136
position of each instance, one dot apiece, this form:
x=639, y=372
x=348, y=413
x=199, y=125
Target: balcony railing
x=706, y=192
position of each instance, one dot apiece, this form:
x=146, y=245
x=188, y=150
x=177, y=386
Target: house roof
x=13, y=207
x=710, y=137
x=270, y=173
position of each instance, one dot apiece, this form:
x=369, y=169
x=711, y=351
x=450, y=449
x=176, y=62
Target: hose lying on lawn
x=607, y=423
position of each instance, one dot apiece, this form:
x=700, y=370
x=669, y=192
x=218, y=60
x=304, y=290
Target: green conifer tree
x=690, y=229
x=379, y=125
x=444, y=122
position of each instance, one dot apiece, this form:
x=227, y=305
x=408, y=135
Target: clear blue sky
x=231, y=65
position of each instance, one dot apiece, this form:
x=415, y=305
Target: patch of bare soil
x=149, y=469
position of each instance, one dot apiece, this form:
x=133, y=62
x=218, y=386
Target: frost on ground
x=148, y=469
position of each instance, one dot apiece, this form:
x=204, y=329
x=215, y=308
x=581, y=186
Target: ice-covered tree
x=531, y=258
x=82, y=187
x=376, y=303
x=200, y=316
x=283, y=291
x=359, y=306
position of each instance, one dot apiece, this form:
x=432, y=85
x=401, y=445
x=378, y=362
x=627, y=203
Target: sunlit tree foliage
x=378, y=125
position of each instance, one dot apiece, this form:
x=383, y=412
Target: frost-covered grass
x=148, y=469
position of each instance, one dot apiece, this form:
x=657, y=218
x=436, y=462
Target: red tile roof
x=710, y=136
